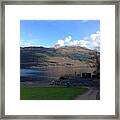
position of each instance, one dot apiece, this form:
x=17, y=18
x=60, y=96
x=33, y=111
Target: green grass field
x=50, y=93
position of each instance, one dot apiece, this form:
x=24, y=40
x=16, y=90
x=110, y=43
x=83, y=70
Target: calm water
x=31, y=72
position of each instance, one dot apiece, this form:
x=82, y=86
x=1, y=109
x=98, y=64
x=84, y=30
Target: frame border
x=55, y=2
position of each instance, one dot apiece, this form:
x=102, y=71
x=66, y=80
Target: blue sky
x=47, y=33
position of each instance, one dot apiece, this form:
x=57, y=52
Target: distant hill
x=40, y=57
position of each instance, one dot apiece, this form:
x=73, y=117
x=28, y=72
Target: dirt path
x=89, y=95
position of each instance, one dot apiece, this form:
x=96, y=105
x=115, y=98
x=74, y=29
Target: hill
x=40, y=57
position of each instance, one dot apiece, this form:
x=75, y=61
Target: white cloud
x=95, y=36
x=61, y=42
x=26, y=43
x=68, y=39
x=91, y=42
x=95, y=40
x=84, y=43
x=75, y=43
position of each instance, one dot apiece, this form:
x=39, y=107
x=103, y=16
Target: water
x=31, y=72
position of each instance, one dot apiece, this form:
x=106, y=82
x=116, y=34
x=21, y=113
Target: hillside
x=40, y=57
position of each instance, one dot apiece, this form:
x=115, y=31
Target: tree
x=97, y=56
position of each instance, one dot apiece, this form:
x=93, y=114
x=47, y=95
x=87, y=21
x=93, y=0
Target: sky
x=48, y=33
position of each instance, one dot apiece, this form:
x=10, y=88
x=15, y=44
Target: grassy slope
x=41, y=93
